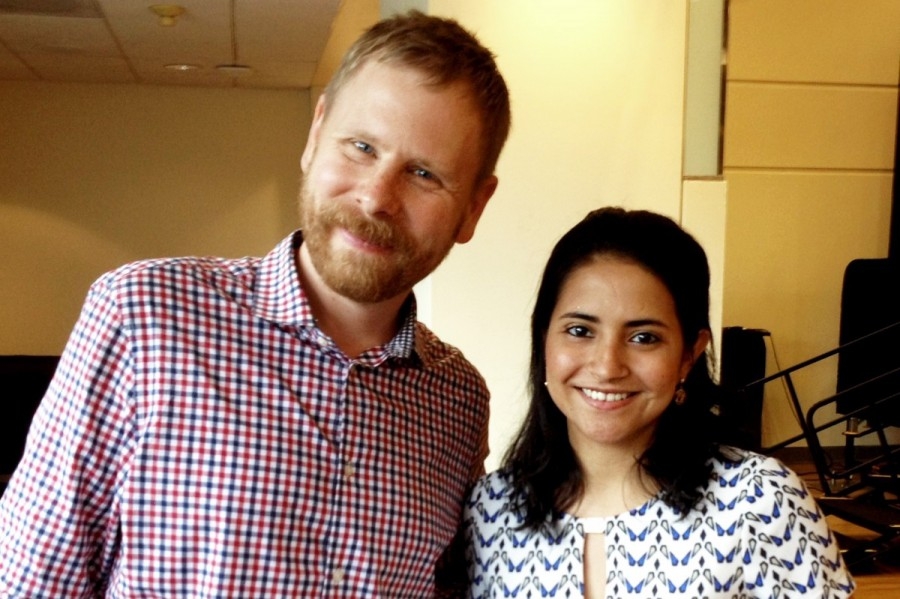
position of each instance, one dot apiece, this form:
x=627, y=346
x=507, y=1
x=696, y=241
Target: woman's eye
x=578, y=330
x=644, y=338
x=422, y=173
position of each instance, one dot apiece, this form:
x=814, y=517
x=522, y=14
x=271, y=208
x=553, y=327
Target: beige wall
x=597, y=94
x=810, y=107
x=92, y=176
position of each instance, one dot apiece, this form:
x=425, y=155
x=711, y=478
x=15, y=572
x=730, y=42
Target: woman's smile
x=604, y=396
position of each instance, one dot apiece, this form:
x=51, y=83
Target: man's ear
x=480, y=197
x=313, y=138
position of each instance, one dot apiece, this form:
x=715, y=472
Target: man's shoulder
x=438, y=351
x=174, y=285
x=185, y=271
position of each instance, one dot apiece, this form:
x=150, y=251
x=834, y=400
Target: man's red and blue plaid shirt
x=203, y=438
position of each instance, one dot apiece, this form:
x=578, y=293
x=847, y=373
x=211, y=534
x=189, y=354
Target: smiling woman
x=615, y=356
x=616, y=483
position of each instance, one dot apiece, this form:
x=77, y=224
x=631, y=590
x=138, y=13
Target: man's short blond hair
x=445, y=53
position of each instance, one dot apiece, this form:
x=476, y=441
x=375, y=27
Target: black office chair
x=23, y=382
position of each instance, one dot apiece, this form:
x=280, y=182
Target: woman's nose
x=608, y=361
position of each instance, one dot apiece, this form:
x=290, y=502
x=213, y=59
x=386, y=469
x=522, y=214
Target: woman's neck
x=614, y=482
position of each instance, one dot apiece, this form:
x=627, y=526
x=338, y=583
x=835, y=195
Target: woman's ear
x=692, y=354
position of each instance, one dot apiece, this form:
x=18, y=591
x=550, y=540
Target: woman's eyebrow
x=643, y=322
x=580, y=316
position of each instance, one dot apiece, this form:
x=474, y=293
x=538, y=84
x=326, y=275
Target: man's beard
x=359, y=276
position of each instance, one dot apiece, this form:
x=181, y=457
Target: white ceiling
x=121, y=41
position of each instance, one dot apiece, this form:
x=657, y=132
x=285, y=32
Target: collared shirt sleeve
x=58, y=516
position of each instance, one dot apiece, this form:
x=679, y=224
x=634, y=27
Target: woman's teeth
x=600, y=396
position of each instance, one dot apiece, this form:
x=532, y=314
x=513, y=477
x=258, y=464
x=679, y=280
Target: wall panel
x=826, y=41
x=809, y=126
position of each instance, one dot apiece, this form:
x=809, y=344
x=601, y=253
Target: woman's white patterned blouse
x=757, y=532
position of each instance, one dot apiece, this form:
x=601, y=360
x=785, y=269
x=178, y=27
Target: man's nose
x=379, y=192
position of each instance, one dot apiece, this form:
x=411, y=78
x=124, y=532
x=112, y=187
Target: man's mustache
x=376, y=232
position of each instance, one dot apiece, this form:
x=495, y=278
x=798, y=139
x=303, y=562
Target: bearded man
x=282, y=426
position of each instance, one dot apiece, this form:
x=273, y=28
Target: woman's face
x=614, y=354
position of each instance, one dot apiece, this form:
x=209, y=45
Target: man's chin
x=357, y=245
x=367, y=294
x=364, y=279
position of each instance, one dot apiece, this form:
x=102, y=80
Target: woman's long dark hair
x=542, y=466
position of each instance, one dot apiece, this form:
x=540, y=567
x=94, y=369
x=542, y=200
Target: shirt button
x=337, y=575
x=349, y=470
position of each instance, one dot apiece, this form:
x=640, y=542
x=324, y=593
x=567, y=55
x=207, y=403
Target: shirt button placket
x=346, y=473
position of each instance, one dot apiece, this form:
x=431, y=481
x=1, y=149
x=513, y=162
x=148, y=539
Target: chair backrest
x=743, y=362
x=870, y=302
x=23, y=382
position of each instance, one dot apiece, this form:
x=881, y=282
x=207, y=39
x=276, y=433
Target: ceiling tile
x=12, y=68
x=87, y=69
x=299, y=34
x=282, y=40
x=68, y=36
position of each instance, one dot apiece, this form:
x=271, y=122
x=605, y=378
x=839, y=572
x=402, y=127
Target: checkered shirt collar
x=280, y=298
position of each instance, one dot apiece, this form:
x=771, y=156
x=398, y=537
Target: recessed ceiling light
x=182, y=67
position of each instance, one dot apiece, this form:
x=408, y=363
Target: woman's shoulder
x=494, y=487
x=751, y=474
x=494, y=501
x=735, y=462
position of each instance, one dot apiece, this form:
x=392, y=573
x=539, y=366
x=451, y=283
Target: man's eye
x=421, y=172
x=363, y=147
